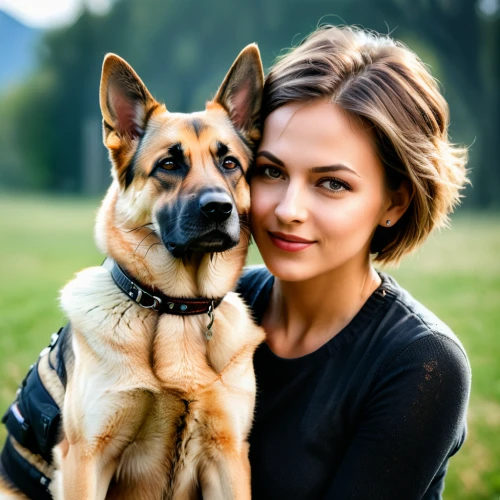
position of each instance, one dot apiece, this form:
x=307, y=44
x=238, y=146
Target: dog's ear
x=241, y=92
x=126, y=106
x=125, y=102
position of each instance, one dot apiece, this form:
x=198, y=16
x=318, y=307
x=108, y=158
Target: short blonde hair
x=389, y=89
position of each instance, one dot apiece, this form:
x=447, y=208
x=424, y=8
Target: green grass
x=45, y=241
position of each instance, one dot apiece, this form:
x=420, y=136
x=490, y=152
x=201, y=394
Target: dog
x=159, y=390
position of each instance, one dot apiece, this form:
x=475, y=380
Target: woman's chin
x=285, y=270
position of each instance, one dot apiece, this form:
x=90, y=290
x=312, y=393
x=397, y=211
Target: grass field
x=457, y=275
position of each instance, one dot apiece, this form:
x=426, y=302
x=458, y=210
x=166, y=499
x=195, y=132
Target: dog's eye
x=167, y=164
x=230, y=163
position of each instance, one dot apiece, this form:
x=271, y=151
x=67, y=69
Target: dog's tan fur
x=152, y=410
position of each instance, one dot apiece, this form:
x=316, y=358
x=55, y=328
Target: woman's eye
x=167, y=164
x=273, y=172
x=334, y=185
x=230, y=164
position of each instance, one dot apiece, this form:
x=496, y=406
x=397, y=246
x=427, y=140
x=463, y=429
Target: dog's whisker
x=151, y=246
x=136, y=228
x=170, y=232
x=147, y=235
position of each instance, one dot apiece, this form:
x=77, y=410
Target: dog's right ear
x=241, y=92
x=126, y=103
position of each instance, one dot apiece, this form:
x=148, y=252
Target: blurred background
x=54, y=168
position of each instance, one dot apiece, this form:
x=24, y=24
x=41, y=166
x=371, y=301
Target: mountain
x=17, y=49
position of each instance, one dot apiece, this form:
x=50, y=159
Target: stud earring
x=387, y=222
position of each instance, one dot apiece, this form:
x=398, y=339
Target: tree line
x=50, y=126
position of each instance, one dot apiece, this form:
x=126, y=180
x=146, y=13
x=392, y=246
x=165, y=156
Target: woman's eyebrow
x=313, y=170
x=270, y=156
x=333, y=168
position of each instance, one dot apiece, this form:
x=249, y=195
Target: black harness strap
x=56, y=355
x=34, y=421
x=22, y=475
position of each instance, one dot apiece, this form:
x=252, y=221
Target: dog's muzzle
x=206, y=223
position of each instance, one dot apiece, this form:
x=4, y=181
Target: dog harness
x=33, y=422
x=33, y=419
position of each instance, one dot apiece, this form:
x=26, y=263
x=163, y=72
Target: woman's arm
x=413, y=422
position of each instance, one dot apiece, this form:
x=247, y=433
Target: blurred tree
x=26, y=145
x=466, y=36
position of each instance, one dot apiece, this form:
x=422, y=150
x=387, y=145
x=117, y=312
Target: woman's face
x=318, y=191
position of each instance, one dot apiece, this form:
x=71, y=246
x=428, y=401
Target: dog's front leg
x=99, y=422
x=83, y=474
x=90, y=453
x=86, y=459
x=226, y=476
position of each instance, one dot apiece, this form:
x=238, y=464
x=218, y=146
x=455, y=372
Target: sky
x=50, y=13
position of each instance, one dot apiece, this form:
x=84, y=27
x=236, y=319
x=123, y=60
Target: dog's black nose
x=216, y=206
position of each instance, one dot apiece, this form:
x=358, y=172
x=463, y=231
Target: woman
x=362, y=392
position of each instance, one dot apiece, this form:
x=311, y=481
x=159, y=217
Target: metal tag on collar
x=211, y=314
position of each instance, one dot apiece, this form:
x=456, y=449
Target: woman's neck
x=302, y=316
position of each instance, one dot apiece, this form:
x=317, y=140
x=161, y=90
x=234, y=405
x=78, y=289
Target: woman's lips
x=289, y=242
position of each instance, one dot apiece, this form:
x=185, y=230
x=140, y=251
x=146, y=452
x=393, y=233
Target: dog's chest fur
x=154, y=385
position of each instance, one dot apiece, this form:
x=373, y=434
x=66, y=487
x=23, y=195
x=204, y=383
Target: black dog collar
x=156, y=300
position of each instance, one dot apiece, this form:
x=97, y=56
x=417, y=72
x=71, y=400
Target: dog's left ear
x=241, y=92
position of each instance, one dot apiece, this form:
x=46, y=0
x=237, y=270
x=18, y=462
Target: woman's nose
x=292, y=206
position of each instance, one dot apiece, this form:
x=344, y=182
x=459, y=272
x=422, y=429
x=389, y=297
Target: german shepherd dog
x=155, y=407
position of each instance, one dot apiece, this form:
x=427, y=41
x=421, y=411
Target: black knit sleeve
x=414, y=420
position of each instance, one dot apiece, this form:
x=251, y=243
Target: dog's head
x=180, y=177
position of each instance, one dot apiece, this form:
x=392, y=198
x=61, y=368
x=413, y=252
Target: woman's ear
x=399, y=200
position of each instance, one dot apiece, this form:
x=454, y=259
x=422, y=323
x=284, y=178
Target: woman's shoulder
x=421, y=370
x=412, y=327
x=253, y=274
x=252, y=288
x=252, y=280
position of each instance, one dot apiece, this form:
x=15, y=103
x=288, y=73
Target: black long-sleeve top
x=375, y=413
